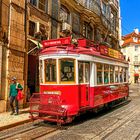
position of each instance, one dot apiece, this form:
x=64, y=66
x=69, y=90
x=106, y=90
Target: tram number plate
x=52, y=92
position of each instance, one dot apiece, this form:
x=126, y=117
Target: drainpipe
x=7, y=56
x=0, y=12
x=120, y=30
x=25, y=76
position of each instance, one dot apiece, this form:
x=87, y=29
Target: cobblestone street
x=121, y=123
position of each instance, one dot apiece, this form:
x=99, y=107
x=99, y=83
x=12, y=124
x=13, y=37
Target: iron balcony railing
x=92, y=5
x=95, y=6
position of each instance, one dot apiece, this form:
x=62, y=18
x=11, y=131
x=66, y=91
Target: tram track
x=33, y=134
x=101, y=123
x=28, y=132
x=40, y=129
x=110, y=130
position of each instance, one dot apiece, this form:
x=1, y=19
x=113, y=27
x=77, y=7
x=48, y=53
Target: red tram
x=77, y=77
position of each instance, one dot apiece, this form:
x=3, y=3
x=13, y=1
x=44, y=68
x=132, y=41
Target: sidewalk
x=8, y=121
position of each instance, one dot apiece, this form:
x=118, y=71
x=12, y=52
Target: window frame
x=59, y=71
x=84, y=63
x=136, y=58
x=121, y=72
x=108, y=73
x=102, y=75
x=35, y=28
x=87, y=31
x=33, y=2
x=67, y=13
x=37, y=5
x=113, y=73
x=50, y=82
x=116, y=71
x=136, y=47
x=40, y=71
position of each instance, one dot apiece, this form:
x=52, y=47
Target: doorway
x=84, y=84
x=33, y=74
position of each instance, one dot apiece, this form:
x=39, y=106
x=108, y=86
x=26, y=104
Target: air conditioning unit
x=66, y=27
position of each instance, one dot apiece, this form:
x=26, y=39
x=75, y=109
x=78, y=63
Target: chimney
x=136, y=30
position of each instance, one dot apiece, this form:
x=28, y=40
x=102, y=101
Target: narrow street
x=120, y=123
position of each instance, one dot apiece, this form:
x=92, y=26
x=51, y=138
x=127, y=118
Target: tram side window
x=116, y=74
x=81, y=66
x=40, y=71
x=111, y=74
x=86, y=72
x=50, y=70
x=125, y=72
x=99, y=73
x=106, y=74
x=121, y=74
x=67, y=70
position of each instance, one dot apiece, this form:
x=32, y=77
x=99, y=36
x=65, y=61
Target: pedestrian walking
x=14, y=87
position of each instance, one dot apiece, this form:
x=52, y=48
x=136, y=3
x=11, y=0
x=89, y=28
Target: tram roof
x=81, y=46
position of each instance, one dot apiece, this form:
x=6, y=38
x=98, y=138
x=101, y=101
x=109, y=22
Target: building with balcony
x=131, y=50
x=30, y=21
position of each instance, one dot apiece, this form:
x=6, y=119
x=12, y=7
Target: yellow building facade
x=131, y=50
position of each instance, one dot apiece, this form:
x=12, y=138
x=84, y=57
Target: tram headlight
x=63, y=106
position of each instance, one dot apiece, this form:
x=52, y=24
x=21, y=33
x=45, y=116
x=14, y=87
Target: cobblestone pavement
x=121, y=123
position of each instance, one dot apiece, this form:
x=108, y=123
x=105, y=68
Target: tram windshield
x=67, y=70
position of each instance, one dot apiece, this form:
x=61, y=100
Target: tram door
x=84, y=84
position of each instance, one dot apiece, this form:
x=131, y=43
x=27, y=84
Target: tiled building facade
x=97, y=20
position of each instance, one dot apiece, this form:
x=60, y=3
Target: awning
x=136, y=74
x=35, y=49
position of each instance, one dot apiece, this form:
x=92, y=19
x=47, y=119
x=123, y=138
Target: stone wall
x=16, y=48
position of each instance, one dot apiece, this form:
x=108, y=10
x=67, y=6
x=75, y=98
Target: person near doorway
x=14, y=87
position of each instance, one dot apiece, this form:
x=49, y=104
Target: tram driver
x=64, y=76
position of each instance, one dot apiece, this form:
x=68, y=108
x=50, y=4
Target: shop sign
x=110, y=52
x=116, y=54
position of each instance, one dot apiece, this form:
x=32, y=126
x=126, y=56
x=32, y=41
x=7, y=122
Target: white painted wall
x=129, y=51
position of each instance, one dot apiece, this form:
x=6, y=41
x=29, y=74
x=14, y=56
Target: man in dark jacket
x=14, y=87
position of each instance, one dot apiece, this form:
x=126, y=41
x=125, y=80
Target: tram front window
x=50, y=70
x=67, y=70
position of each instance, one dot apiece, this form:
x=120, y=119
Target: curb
x=15, y=124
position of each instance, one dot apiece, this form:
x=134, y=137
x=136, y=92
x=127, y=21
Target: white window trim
x=37, y=5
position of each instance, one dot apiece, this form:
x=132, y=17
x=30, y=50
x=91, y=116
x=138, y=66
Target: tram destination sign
x=56, y=42
x=104, y=50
